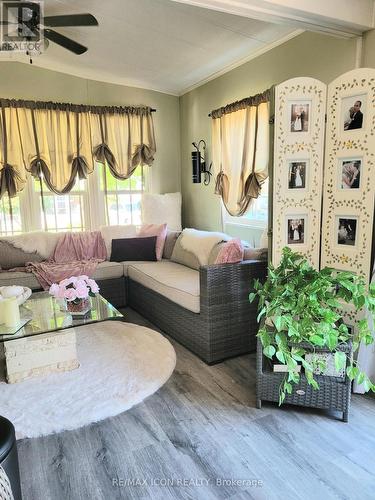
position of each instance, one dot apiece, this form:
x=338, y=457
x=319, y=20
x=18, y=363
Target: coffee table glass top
x=46, y=316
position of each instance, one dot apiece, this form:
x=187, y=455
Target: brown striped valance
x=77, y=108
x=242, y=104
x=61, y=141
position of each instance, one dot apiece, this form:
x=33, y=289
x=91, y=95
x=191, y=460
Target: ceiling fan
x=29, y=19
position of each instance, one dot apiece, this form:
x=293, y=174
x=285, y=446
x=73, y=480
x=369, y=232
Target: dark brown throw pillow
x=133, y=249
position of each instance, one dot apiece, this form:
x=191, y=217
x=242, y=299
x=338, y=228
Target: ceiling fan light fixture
x=29, y=24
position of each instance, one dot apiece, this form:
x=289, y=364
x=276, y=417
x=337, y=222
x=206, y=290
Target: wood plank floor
x=200, y=437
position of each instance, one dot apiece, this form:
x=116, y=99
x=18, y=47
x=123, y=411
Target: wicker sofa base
x=211, y=340
x=227, y=323
x=114, y=290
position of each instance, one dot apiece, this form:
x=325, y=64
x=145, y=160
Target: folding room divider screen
x=324, y=172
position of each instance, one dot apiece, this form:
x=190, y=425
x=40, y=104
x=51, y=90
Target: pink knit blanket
x=75, y=254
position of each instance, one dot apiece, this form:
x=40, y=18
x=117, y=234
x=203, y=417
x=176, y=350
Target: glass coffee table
x=47, y=342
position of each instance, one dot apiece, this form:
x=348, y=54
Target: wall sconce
x=198, y=159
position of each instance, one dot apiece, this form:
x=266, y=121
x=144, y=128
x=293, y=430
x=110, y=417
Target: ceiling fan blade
x=70, y=20
x=64, y=41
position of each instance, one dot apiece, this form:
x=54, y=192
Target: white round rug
x=120, y=365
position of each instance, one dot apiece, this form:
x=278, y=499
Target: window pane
x=136, y=209
x=112, y=209
x=124, y=209
x=136, y=180
x=10, y=224
x=122, y=198
x=80, y=185
x=257, y=213
x=62, y=212
x=258, y=210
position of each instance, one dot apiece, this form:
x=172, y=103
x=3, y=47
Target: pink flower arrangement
x=74, y=289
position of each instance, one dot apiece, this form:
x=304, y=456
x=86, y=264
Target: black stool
x=9, y=456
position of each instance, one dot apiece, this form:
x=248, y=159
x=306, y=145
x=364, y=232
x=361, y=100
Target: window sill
x=250, y=225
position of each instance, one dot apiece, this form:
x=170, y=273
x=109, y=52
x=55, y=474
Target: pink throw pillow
x=160, y=231
x=231, y=252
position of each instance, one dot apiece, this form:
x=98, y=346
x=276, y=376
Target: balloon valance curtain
x=60, y=142
x=240, y=151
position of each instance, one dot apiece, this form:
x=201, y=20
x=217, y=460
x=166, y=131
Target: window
x=10, y=216
x=256, y=216
x=100, y=199
x=62, y=212
x=122, y=198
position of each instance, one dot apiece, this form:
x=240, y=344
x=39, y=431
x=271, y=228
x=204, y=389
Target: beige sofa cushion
x=177, y=283
x=105, y=270
x=19, y=278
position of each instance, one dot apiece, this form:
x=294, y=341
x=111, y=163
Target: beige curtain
x=12, y=161
x=240, y=151
x=59, y=142
x=62, y=147
x=123, y=141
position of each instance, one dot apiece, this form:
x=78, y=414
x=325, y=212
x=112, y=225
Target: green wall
x=23, y=81
x=368, y=59
x=180, y=121
x=309, y=54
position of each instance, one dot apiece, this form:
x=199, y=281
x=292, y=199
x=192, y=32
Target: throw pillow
x=41, y=242
x=110, y=233
x=11, y=256
x=255, y=254
x=231, y=252
x=201, y=243
x=133, y=249
x=162, y=209
x=160, y=231
x=215, y=252
x=182, y=256
x=170, y=242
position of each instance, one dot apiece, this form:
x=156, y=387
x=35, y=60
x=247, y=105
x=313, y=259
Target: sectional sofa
x=206, y=309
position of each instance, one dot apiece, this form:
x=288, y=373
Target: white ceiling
x=157, y=44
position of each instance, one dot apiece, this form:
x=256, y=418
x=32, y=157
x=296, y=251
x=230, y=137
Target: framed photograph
x=346, y=228
x=297, y=174
x=353, y=112
x=296, y=227
x=299, y=116
x=349, y=174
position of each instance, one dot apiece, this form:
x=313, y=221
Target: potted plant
x=76, y=291
x=301, y=312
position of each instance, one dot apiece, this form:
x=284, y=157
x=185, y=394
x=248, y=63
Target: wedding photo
x=299, y=117
x=347, y=231
x=297, y=175
x=296, y=231
x=353, y=110
x=350, y=174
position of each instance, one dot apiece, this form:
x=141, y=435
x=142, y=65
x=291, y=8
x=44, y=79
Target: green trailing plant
x=300, y=310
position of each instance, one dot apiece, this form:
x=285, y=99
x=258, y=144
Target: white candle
x=2, y=319
x=11, y=312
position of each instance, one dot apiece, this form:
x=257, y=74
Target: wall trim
x=244, y=60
